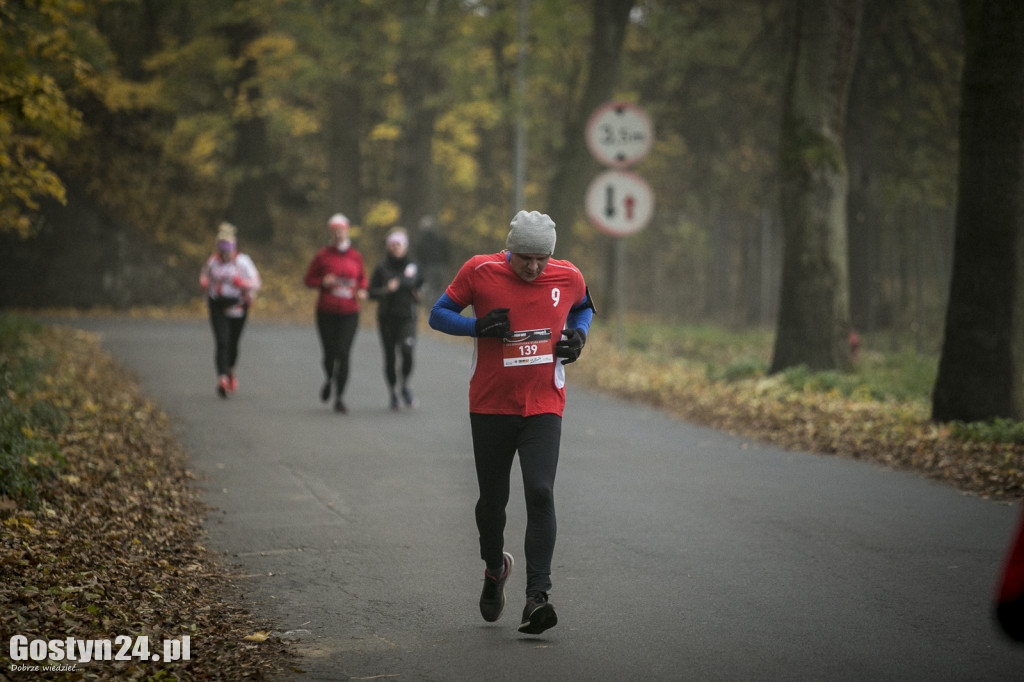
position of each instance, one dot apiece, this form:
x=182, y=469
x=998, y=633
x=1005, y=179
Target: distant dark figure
x=432, y=253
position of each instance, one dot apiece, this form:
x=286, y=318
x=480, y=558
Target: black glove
x=494, y=324
x=571, y=346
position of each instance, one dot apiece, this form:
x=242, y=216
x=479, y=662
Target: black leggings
x=400, y=335
x=336, y=335
x=226, y=333
x=496, y=438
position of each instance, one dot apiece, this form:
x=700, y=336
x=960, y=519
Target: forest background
x=138, y=125
x=277, y=113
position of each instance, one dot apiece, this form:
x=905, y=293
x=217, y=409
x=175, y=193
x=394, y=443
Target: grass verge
x=878, y=413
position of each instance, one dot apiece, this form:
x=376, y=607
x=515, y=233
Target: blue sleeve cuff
x=581, y=315
x=580, y=319
x=446, y=316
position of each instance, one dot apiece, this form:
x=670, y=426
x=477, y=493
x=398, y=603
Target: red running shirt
x=521, y=375
x=340, y=299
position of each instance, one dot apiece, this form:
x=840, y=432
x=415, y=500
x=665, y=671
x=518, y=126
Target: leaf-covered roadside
x=895, y=434
x=113, y=546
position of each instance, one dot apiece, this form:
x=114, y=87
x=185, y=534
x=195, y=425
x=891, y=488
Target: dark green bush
x=995, y=431
x=28, y=452
x=743, y=369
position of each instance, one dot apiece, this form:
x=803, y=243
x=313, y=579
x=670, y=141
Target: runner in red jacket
x=533, y=314
x=337, y=271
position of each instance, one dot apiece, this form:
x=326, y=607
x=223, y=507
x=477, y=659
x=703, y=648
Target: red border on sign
x=602, y=225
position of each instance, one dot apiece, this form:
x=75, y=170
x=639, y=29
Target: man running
x=531, y=311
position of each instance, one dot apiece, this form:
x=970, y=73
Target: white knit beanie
x=226, y=232
x=398, y=235
x=532, y=233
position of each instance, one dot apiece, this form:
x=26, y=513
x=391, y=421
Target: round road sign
x=619, y=134
x=619, y=203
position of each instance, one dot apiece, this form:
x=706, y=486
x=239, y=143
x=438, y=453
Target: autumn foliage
x=110, y=543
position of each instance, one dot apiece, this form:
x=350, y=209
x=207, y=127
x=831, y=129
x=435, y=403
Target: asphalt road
x=683, y=553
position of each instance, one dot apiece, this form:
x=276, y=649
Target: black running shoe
x=407, y=397
x=492, y=598
x=325, y=391
x=339, y=406
x=539, y=614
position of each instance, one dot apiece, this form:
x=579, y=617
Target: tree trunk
x=421, y=79
x=718, y=303
x=249, y=206
x=863, y=214
x=575, y=168
x=981, y=369
x=417, y=182
x=343, y=156
x=814, y=318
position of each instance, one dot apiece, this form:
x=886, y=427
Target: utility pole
x=519, y=189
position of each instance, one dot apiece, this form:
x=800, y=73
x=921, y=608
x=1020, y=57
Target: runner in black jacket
x=395, y=285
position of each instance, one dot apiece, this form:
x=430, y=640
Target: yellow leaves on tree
x=458, y=139
x=36, y=120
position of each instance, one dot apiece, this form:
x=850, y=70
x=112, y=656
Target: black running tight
x=227, y=331
x=397, y=335
x=336, y=335
x=496, y=439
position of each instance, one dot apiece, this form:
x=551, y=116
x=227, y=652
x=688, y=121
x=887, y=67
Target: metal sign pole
x=519, y=180
x=619, y=290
